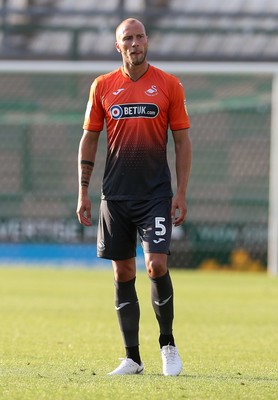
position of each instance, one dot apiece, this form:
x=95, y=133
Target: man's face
x=132, y=42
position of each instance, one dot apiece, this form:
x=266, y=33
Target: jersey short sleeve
x=178, y=117
x=94, y=115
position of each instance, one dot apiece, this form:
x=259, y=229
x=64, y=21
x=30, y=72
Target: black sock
x=164, y=340
x=133, y=353
x=162, y=302
x=128, y=312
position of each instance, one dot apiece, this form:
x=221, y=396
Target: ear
x=117, y=47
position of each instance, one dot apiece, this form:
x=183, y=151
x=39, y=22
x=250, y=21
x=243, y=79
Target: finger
x=178, y=221
x=88, y=214
x=78, y=216
x=180, y=218
x=173, y=211
x=85, y=220
x=84, y=217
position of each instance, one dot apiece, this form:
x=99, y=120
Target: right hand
x=84, y=211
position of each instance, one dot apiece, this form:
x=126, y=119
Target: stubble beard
x=138, y=61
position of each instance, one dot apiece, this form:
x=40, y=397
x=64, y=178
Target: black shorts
x=120, y=221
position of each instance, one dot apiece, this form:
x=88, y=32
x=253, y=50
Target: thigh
x=155, y=229
x=116, y=239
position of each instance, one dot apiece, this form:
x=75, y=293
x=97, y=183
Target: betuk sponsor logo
x=136, y=110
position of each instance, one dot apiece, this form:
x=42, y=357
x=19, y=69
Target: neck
x=135, y=71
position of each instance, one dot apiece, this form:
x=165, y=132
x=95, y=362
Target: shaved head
x=129, y=22
x=132, y=43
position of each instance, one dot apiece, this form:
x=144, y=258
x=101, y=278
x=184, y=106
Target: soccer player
x=138, y=103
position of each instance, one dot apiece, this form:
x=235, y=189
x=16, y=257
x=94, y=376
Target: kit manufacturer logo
x=118, y=91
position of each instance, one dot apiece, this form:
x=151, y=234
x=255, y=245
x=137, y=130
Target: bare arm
x=183, y=150
x=86, y=159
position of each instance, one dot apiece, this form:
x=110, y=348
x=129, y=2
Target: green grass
x=59, y=337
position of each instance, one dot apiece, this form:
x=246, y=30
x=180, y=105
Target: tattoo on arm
x=85, y=162
x=86, y=171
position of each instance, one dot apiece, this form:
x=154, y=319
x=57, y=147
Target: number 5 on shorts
x=159, y=226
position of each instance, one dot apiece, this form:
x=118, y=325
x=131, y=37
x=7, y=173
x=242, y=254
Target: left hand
x=179, y=210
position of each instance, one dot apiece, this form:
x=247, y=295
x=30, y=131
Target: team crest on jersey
x=135, y=110
x=152, y=91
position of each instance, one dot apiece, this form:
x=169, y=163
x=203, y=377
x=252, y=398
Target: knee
x=122, y=275
x=156, y=267
x=124, y=270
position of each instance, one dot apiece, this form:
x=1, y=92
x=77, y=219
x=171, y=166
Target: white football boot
x=128, y=367
x=171, y=361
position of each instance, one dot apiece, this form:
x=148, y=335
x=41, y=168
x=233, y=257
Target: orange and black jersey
x=137, y=116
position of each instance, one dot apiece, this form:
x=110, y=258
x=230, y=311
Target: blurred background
x=42, y=107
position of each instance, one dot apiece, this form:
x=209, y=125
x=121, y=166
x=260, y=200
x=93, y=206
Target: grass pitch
x=59, y=337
